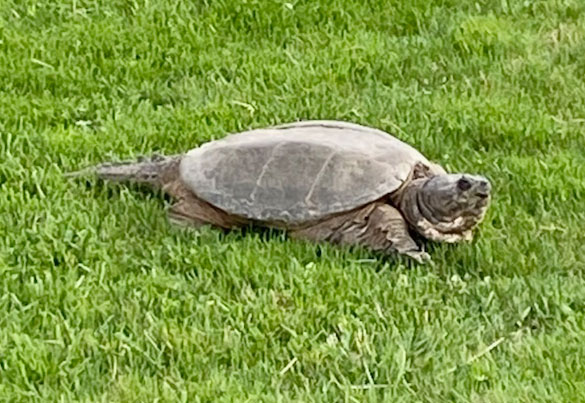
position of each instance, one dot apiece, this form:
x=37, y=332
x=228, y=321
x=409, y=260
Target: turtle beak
x=484, y=188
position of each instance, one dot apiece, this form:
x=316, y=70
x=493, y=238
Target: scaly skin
x=445, y=208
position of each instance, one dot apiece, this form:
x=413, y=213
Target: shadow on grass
x=380, y=260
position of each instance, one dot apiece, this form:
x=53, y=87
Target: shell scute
x=298, y=172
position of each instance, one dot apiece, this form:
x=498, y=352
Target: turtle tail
x=156, y=170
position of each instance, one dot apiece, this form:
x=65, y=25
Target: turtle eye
x=463, y=184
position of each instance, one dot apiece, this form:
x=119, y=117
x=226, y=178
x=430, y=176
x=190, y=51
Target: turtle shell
x=298, y=172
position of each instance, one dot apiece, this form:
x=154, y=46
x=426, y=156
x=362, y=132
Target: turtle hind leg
x=376, y=226
x=191, y=211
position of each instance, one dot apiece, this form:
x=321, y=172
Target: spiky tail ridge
x=156, y=170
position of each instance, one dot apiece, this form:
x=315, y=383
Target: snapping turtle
x=320, y=180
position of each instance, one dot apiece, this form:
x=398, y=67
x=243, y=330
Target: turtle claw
x=421, y=257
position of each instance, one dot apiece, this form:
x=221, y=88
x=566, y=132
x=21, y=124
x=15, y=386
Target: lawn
x=102, y=300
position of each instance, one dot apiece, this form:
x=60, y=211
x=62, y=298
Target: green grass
x=101, y=299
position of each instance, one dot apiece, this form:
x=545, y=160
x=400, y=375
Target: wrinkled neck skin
x=411, y=203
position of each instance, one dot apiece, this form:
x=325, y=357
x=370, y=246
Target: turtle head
x=448, y=206
x=445, y=198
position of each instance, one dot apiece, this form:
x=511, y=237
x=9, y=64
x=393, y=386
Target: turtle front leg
x=377, y=226
x=388, y=231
